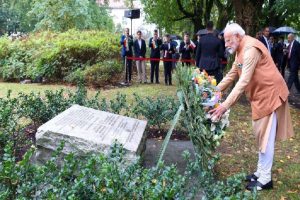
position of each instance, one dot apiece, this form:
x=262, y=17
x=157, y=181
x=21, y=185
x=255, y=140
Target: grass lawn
x=238, y=149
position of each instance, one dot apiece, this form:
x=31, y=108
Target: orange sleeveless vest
x=267, y=89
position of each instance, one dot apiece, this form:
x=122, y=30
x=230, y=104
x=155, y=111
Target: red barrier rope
x=162, y=59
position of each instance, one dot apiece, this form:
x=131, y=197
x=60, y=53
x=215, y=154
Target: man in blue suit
x=139, y=46
x=127, y=43
x=209, y=53
x=293, y=62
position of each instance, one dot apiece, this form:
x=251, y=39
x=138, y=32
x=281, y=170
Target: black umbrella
x=175, y=37
x=202, y=32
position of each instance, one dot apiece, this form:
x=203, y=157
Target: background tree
x=225, y=12
x=171, y=13
x=248, y=13
x=282, y=12
x=63, y=15
x=13, y=16
x=252, y=15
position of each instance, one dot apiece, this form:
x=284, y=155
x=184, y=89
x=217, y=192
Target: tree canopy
x=57, y=15
x=194, y=14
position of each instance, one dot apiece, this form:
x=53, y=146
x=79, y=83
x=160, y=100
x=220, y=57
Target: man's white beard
x=230, y=50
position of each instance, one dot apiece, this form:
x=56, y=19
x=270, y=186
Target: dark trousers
x=282, y=65
x=168, y=73
x=128, y=69
x=282, y=70
x=293, y=78
x=186, y=63
x=154, y=71
x=216, y=73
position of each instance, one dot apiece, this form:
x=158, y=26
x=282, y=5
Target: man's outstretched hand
x=217, y=113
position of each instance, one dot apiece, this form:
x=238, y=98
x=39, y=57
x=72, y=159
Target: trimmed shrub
x=103, y=73
x=56, y=55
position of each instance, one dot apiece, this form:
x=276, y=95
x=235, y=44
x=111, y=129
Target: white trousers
x=141, y=70
x=265, y=160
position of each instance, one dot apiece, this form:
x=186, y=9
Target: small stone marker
x=86, y=131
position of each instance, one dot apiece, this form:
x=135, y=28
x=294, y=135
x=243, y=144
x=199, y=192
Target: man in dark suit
x=186, y=48
x=168, y=49
x=279, y=56
x=265, y=38
x=209, y=53
x=139, y=46
x=127, y=43
x=155, y=43
x=293, y=62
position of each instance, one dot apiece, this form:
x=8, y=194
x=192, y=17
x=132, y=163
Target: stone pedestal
x=87, y=131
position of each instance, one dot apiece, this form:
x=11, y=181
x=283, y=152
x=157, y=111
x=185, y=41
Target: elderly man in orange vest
x=268, y=96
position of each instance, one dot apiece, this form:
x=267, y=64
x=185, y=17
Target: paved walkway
x=173, y=153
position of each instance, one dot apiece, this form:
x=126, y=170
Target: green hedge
x=56, y=56
x=97, y=176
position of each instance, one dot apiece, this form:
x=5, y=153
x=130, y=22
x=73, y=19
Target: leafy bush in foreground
x=97, y=176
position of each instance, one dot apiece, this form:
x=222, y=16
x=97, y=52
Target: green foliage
x=95, y=176
x=59, y=15
x=103, y=73
x=13, y=15
x=99, y=177
x=119, y=104
x=157, y=111
x=187, y=15
x=70, y=56
x=27, y=15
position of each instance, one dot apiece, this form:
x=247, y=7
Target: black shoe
x=256, y=184
x=251, y=177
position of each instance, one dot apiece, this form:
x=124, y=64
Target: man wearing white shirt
x=140, y=52
x=293, y=62
x=265, y=38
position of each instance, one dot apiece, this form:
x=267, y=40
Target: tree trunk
x=225, y=13
x=247, y=14
x=197, y=24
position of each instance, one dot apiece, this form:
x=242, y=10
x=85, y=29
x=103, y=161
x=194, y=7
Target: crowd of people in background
x=284, y=55
x=207, y=52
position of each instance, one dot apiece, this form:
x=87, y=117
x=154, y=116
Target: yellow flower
x=154, y=181
x=214, y=82
x=200, y=80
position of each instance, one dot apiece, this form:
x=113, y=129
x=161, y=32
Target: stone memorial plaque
x=87, y=130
